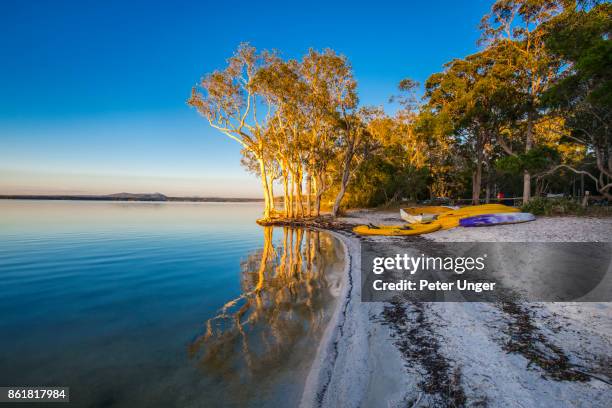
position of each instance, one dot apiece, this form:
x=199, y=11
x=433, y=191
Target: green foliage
x=581, y=38
x=553, y=206
x=536, y=160
x=509, y=164
x=378, y=181
x=583, y=94
x=538, y=206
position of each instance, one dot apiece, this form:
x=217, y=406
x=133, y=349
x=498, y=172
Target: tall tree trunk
x=346, y=171
x=528, y=145
x=298, y=186
x=264, y=185
x=477, y=181
x=481, y=137
x=539, y=187
x=318, y=193
x=286, y=192
x=308, y=194
x=290, y=192
x=271, y=195
x=609, y=158
x=296, y=212
x=526, y=186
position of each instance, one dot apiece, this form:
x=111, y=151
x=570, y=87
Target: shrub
x=565, y=206
x=553, y=206
x=537, y=206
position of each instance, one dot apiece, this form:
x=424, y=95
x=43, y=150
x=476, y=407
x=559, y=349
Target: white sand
x=543, y=229
x=353, y=349
x=358, y=364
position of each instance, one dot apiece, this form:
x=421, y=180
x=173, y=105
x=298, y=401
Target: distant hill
x=137, y=196
x=157, y=197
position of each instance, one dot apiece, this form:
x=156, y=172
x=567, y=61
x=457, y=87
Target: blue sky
x=92, y=94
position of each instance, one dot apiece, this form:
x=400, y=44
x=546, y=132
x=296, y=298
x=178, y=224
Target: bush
x=553, y=206
x=537, y=206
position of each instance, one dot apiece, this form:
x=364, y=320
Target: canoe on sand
x=397, y=230
x=412, y=219
x=490, y=208
x=430, y=213
x=496, y=219
x=430, y=209
x=452, y=219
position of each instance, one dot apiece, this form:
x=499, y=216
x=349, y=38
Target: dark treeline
x=529, y=113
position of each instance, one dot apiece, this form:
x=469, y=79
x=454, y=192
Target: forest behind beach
x=525, y=116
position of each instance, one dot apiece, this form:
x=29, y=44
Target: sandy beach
x=473, y=354
x=207, y=205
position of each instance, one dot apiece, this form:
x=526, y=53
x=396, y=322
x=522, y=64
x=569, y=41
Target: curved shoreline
x=357, y=363
x=319, y=375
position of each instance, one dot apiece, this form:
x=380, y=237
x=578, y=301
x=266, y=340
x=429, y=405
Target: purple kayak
x=485, y=220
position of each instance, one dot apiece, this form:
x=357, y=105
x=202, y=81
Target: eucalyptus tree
x=472, y=97
x=229, y=100
x=344, y=113
x=415, y=145
x=311, y=122
x=351, y=144
x=514, y=31
x=435, y=128
x=450, y=94
x=580, y=36
x=393, y=158
x=330, y=110
x=391, y=163
x=281, y=84
x=305, y=124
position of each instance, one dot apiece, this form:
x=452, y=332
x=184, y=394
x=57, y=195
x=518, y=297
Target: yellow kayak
x=478, y=209
x=397, y=230
x=451, y=219
x=446, y=218
x=432, y=209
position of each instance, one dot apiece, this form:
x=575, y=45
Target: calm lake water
x=161, y=304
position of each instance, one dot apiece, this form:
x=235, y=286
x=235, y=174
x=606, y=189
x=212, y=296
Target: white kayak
x=413, y=219
x=424, y=213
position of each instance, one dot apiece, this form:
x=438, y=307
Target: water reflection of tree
x=282, y=306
